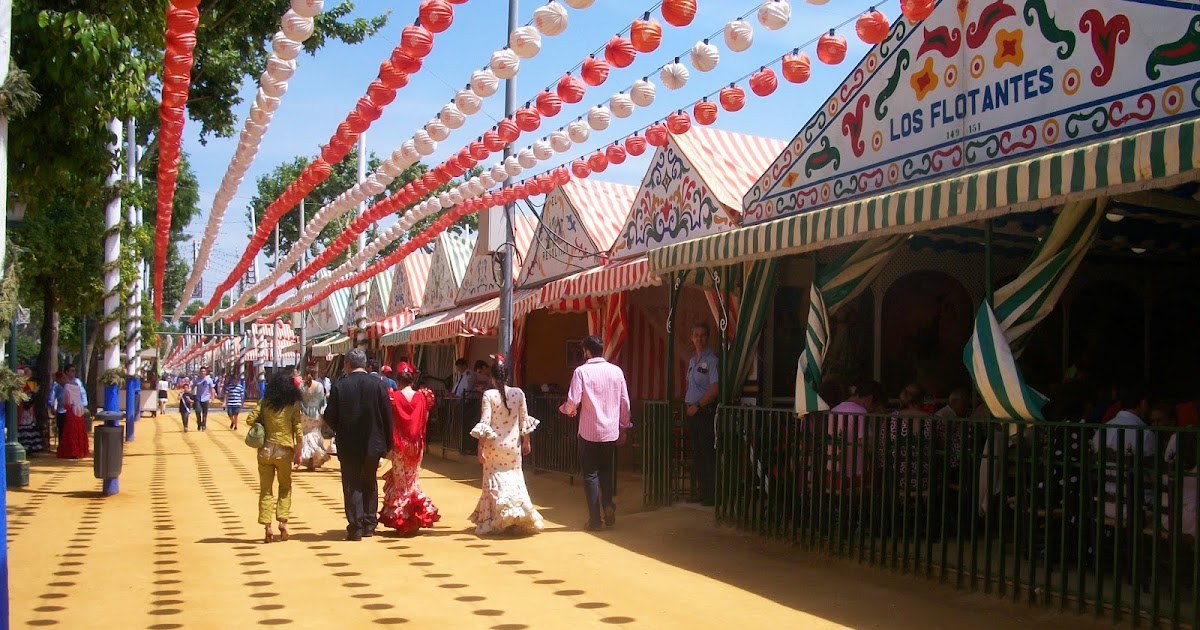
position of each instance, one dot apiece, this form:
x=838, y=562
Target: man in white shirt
x=463, y=380
x=1134, y=406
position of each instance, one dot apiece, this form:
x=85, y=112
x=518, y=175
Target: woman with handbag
x=278, y=415
x=312, y=400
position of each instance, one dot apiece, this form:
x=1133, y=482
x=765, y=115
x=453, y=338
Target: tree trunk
x=48, y=354
x=87, y=350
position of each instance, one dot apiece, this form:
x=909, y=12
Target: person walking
x=187, y=402
x=279, y=413
x=162, y=394
x=405, y=506
x=203, y=389
x=503, y=433
x=74, y=441
x=700, y=402
x=359, y=412
x=312, y=401
x=235, y=397
x=600, y=396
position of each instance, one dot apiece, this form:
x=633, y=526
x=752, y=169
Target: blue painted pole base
x=133, y=405
x=112, y=398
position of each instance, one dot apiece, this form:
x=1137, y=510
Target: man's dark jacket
x=359, y=411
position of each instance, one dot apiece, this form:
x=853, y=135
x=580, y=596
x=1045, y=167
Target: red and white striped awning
x=485, y=316
x=614, y=277
x=602, y=207
x=730, y=163
x=439, y=327
x=379, y=328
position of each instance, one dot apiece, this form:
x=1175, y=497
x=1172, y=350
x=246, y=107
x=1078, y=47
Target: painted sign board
x=561, y=245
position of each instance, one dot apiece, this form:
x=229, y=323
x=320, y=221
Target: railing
x=555, y=442
x=1026, y=511
x=665, y=459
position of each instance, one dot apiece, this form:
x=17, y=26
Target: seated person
x=848, y=428
x=1134, y=407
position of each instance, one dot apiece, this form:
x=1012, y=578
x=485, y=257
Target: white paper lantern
x=512, y=166
x=704, y=56
x=437, y=130
x=409, y=149
x=598, y=118
x=739, y=35
x=399, y=158
x=486, y=180
x=560, y=141
x=373, y=186
x=271, y=87
x=444, y=199
x=357, y=194
x=269, y=103
x=498, y=173
x=456, y=195
x=384, y=178
x=280, y=69
x=308, y=8
x=260, y=116
x=580, y=4
x=673, y=75
x=550, y=18
x=642, y=93
x=527, y=158
x=775, y=14
x=483, y=83
x=621, y=105
x=476, y=186
x=284, y=48
x=467, y=102
x=296, y=27
x=578, y=131
x=504, y=63
x=526, y=41
x=404, y=223
x=451, y=116
x=542, y=150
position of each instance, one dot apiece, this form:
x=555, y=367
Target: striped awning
x=614, y=277
x=337, y=344
x=379, y=328
x=1158, y=157
x=601, y=207
x=485, y=316
x=434, y=328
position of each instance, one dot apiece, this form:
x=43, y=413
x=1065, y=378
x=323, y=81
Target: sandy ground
x=179, y=548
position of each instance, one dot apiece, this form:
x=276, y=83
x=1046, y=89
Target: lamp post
x=16, y=465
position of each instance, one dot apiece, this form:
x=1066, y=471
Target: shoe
x=368, y=533
x=354, y=537
x=283, y=530
x=610, y=515
x=268, y=535
x=185, y=429
x=592, y=527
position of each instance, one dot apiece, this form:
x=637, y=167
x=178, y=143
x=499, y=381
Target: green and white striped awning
x=1154, y=158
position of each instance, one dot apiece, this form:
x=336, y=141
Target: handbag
x=256, y=437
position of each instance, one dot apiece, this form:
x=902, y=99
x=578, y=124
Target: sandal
x=283, y=530
x=268, y=535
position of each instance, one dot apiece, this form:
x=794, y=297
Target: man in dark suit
x=359, y=411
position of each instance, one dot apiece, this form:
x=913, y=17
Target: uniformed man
x=700, y=402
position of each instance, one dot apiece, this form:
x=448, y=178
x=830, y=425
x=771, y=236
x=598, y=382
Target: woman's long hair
x=281, y=391
x=500, y=377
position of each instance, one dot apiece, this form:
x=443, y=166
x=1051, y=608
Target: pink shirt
x=599, y=394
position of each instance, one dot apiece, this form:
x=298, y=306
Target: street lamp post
x=16, y=465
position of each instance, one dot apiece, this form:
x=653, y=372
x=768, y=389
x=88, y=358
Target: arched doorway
x=927, y=319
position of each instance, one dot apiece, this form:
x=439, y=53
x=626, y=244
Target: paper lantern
x=493, y=141
x=635, y=145
x=620, y=105
x=594, y=71
x=296, y=27
x=180, y=65
x=280, y=69
x=679, y=123
x=580, y=169
x=597, y=162
x=526, y=158
x=425, y=145
x=545, y=183
x=405, y=62
x=484, y=83
x=436, y=15
x=468, y=102
x=179, y=99
x=550, y=18
x=504, y=63
x=916, y=10
x=642, y=93
x=307, y=8
x=389, y=74
x=437, y=130
x=673, y=75
x=527, y=119
x=656, y=134
x=560, y=141
x=615, y=154
x=598, y=118
x=542, y=150
x=429, y=179
x=733, y=98
x=508, y=130
x=182, y=20
x=548, y=103
x=646, y=34
x=416, y=41
x=872, y=27
x=797, y=67
x=580, y=4
x=498, y=173
x=679, y=12
x=454, y=168
x=763, y=82
x=831, y=48
x=705, y=112
x=704, y=56
x=526, y=41
x=774, y=14
x=185, y=42
x=392, y=168
x=619, y=52
x=368, y=109
x=571, y=89
x=380, y=94
x=331, y=154
x=512, y=166
x=561, y=176
x=479, y=150
x=578, y=131
x=456, y=196
x=356, y=124
x=451, y=116
x=465, y=159
x=739, y=35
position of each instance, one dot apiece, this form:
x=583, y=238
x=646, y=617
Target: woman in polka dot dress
x=503, y=434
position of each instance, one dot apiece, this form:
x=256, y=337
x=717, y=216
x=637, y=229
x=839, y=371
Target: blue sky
x=326, y=87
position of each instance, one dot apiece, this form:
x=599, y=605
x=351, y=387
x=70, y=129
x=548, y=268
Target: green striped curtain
x=1002, y=334
x=835, y=286
x=758, y=284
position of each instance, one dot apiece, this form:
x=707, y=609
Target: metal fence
x=1074, y=516
x=666, y=458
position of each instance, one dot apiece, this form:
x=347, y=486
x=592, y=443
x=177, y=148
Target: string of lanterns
x=297, y=26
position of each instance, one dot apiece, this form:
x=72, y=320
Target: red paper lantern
x=916, y=10
x=733, y=98
x=508, y=131
x=597, y=162
x=493, y=141
x=594, y=71
x=763, y=82
x=679, y=12
x=344, y=134
x=405, y=62
x=479, y=150
x=174, y=99
x=615, y=153
x=368, y=109
x=635, y=145
x=182, y=20
x=416, y=41
x=561, y=176
x=380, y=94
x=656, y=134
x=571, y=89
x=679, y=123
x=580, y=169
x=181, y=41
x=545, y=183
x=321, y=168
x=454, y=168
x=548, y=103
x=466, y=159
x=357, y=123
x=619, y=52
x=831, y=48
x=185, y=4
x=705, y=112
x=509, y=194
x=646, y=34
x=430, y=181
x=872, y=27
x=391, y=76
x=797, y=67
x=528, y=119
x=436, y=15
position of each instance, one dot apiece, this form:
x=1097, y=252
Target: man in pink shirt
x=600, y=396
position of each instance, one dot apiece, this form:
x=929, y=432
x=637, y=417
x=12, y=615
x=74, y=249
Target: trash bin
x=110, y=445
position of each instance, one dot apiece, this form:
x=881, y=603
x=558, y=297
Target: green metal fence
x=1030, y=512
x=662, y=457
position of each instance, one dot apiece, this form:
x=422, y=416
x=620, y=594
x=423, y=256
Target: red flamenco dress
x=74, y=441
x=405, y=507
